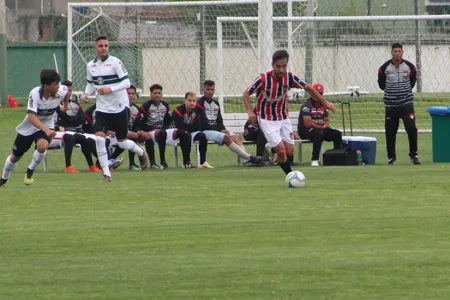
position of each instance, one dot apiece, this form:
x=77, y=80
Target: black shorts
x=22, y=143
x=117, y=122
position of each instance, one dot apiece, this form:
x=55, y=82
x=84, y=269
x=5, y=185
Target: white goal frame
x=351, y=89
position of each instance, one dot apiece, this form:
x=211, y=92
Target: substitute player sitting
x=314, y=125
x=38, y=125
x=190, y=120
x=217, y=131
x=155, y=119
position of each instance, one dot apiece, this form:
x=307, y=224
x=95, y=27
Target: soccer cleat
x=70, y=169
x=143, y=161
x=106, y=178
x=28, y=179
x=315, y=163
x=115, y=163
x=415, y=160
x=391, y=161
x=163, y=165
x=154, y=166
x=134, y=167
x=3, y=182
x=257, y=160
x=95, y=169
x=206, y=165
x=187, y=165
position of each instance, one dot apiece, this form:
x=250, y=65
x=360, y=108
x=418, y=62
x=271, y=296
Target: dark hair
x=156, y=87
x=279, y=55
x=67, y=83
x=132, y=87
x=48, y=76
x=209, y=83
x=396, y=45
x=101, y=37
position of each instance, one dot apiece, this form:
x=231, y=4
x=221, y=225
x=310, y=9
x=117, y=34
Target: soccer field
x=371, y=232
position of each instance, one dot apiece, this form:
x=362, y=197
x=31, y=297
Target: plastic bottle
x=359, y=159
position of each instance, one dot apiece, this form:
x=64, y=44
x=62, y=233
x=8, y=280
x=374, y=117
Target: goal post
x=171, y=43
x=347, y=53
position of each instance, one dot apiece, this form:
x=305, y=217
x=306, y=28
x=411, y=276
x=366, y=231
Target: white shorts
x=171, y=141
x=215, y=136
x=276, y=131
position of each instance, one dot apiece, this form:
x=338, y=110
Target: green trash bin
x=440, y=122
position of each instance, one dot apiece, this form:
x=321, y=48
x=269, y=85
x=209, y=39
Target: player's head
x=68, y=83
x=190, y=100
x=131, y=94
x=280, y=60
x=209, y=88
x=319, y=88
x=50, y=80
x=156, y=93
x=101, y=46
x=397, y=51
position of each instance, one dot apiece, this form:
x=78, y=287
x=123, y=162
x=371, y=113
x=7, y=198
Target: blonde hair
x=190, y=94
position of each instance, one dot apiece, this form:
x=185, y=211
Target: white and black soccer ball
x=295, y=179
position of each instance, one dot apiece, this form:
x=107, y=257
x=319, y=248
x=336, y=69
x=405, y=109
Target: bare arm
x=315, y=94
x=248, y=107
x=34, y=120
x=310, y=123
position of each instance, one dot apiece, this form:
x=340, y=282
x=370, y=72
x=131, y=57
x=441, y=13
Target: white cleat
x=315, y=163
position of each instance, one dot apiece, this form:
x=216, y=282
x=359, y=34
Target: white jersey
x=43, y=108
x=108, y=73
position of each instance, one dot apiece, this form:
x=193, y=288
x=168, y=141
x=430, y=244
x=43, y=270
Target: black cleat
x=187, y=165
x=257, y=160
x=415, y=160
x=391, y=161
x=163, y=165
x=3, y=181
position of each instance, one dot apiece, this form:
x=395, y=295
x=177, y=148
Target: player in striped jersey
x=271, y=89
x=38, y=125
x=107, y=75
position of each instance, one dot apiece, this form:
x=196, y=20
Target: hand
x=251, y=117
x=104, y=91
x=50, y=133
x=86, y=97
x=325, y=126
x=331, y=107
x=62, y=129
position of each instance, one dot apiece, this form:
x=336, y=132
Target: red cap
x=318, y=87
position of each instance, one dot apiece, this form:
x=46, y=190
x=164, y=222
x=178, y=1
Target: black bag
x=340, y=157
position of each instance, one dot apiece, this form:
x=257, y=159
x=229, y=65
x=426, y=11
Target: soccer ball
x=295, y=179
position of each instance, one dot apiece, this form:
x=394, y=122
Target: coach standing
x=397, y=78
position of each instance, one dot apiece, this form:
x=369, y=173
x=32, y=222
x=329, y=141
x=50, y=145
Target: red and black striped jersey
x=272, y=94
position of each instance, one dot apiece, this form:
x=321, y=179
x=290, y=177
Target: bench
x=235, y=123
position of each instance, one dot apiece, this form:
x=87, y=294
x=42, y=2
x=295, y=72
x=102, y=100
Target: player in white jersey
x=107, y=76
x=38, y=125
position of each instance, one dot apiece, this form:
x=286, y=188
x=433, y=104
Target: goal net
x=344, y=54
x=170, y=43
x=179, y=45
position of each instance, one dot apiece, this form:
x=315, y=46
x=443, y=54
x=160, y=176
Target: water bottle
x=359, y=159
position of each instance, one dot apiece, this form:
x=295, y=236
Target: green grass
x=372, y=232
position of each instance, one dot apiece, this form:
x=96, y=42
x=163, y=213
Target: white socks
x=132, y=146
x=240, y=151
x=37, y=158
x=9, y=168
x=102, y=155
